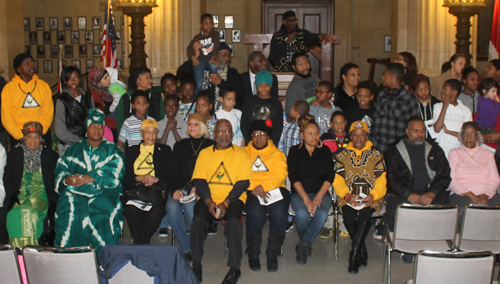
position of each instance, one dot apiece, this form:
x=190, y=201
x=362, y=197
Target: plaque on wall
x=120, y=64
x=82, y=50
x=40, y=51
x=47, y=66
x=33, y=38
x=46, y=37
x=96, y=23
x=27, y=49
x=231, y=46
x=96, y=50
x=68, y=51
x=118, y=36
x=89, y=36
x=54, y=51
x=76, y=63
x=39, y=23
x=89, y=64
x=222, y=35
x=82, y=23
x=228, y=22
x=61, y=37
x=216, y=21
x=35, y=62
x=75, y=37
x=53, y=24
x=67, y=23
x=26, y=24
x=236, y=35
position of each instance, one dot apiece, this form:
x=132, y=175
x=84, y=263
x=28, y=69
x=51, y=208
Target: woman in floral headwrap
x=99, y=82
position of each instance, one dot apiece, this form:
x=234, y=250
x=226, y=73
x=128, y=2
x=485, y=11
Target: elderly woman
x=148, y=163
x=311, y=173
x=89, y=181
x=72, y=108
x=185, y=155
x=474, y=175
x=99, y=82
x=360, y=183
x=269, y=172
x=29, y=185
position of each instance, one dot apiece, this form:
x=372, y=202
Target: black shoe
x=197, y=270
x=353, y=262
x=232, y=276
x=254, y=264
x=212, y=228
x=363, y=256
x=303, y=251
x=272, y=264
x=289, y=225
x=189, y=256
x=163, y=232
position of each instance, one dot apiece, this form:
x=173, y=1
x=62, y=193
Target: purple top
x=487, y=112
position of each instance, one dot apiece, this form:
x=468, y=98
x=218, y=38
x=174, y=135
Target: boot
x=363, y=256
x=358, y=242
x=302, y=250
x=274, y=244
x=253, y=250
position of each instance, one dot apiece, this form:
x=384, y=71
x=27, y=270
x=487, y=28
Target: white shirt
x=453, y=120
x=234, y=116
x=252, y=82
x=181, y=129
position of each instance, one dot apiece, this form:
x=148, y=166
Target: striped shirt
x=131, y=131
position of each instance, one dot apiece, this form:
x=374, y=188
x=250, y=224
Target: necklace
x=195, y=153
x=28, y=93
x=472, y=155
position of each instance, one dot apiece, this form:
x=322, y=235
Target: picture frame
x=53, y=24
x=68, y=51
x=236, y=35
x=47, y=66
x=118, y=36
x=27, y=24
x=96, y=50
x=120, y=65
x=27, y=49
x=96, y=23
x=89, y=64
x=54, y=51
x=46, y=39
x=75, y=37
x=82, y=23
x=89, y=36
x=39, y=23
x=35, y=62
x=232, y=49
x=40, y=51
x=67, y=23
x=387, y=43
x=222, y=35
x=216, y=21
x=82, y=50
x=76, y=63
x=33, y=38
x=228, y=22
x=61, y=37
x=122, y=21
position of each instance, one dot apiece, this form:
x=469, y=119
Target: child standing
x=130, y=132
x=227, y=97
x=205, y=107
x=116, y=89
x=187, y=93
x=169, y=84
x=363, y=110
x=172, y=128
x=488, y=105
x=291, y=133
x=324, y=110
x=203, y=50
x=336, y=137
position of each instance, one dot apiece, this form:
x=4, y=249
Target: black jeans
x=143, y=224
x=352, y=215
x=233, y=231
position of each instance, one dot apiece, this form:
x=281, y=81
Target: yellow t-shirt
x=144, y=163
x=222, y=169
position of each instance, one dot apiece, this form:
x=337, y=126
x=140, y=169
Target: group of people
x=210, y=143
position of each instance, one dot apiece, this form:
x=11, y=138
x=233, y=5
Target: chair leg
x=384, y=252
x=336, y=231
x=281, y=252
x=226, y=250
x=388, y=265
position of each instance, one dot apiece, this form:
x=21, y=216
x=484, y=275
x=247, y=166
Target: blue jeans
x=307, y=227
x=174, y=210
x=199, y=71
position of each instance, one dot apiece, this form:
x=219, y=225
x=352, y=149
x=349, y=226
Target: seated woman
x=185, y=155
x=29, y=185
x=269, y=172
x=148, y=163
x=311, y=173
x=89, y=181
x=72, y=108
x=360, y=183
x=474, y=175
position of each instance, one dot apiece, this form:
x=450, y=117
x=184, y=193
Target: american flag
x=108, y=46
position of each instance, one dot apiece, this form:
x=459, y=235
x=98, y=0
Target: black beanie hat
x=261, y=125
x=19, y=59
x=288, y=14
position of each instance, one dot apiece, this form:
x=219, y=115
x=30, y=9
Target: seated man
x=417, y=172
x=221, y=176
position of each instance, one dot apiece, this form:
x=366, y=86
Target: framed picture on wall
x=33, y=38
x=26, y=24
x=228, y=22
x=236, y=35
x=232, y=49
x=82, y=23
x=89, y=64
x=118, y=36
x=120, y=64
x=54, y=51
x=89, y=36
x=46, y=37
x=96, y=23
x=40, y=51
x=39, y=23
x=47, y=66
x=61, y=37
x=222, y=35
x=122, y=21
x=35, y=62
x=67, y=23
x=27, y=49
x=68, y=51
x=387, y=43
x=82, y=50
x=53, y=23
x=76, y=63
x=75, y=37
x=216, y=21
x=96, y=50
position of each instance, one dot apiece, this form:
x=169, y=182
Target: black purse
x=148, y=194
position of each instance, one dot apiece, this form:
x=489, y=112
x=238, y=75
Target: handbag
x=149, y=194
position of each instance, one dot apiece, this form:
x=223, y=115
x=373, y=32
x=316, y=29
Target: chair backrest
x=480, y=222
x=46, y=265
x=131, y=274
x=9, y=272
x=454, y=267
x=430, y=223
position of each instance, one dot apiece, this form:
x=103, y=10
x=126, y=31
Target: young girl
x=364, y=109
x=205, y=107
x=324, y=110
x=420, y=86
x=336, y=137
x=188, y=87
x=488, y=106
x=469, y=94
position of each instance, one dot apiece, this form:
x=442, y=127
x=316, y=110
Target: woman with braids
x=311, y=173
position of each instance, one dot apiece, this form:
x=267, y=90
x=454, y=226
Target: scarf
x=95, y=77
x=32, y=159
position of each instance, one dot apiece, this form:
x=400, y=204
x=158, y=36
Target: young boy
x=449, y=115
x=291, y=133
x=203, y=50
x=227, y=97
x=130, y=132
x=363, y=111
x=172, y=128
x=168, y=84
x=323, y=112
x=187, y=93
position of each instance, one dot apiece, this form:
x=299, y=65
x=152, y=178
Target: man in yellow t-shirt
x=221, y=175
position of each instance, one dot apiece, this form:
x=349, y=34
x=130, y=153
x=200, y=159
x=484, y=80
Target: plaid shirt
x=289, y=137
x=390, y=117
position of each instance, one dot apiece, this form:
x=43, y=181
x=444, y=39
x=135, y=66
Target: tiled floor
x=321, y=267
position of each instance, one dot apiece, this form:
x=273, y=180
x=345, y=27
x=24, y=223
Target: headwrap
x=32, y=127
x=224, y=46
x=359, y=125
x=261, y=125
x=95, y=116
x=32, y=159
x=20, y=58
x=288, y=14
x=264, y=77
x=95, y=76
x=149, y=123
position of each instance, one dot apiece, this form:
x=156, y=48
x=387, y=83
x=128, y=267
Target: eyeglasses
x=472, y=135
x=224, y=132
x=261, y=135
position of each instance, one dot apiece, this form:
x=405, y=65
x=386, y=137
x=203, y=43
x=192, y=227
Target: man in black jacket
x=256, y=63
x=417, y=171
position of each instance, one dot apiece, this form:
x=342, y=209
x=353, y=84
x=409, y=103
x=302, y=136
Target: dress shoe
x=232, y=276
x=197, y=270
x=254, y=264
x=272, y=264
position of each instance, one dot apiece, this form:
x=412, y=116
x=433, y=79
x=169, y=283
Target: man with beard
x=256, y=63
x=289, y=40
x=417, y=172
x=303, y=84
